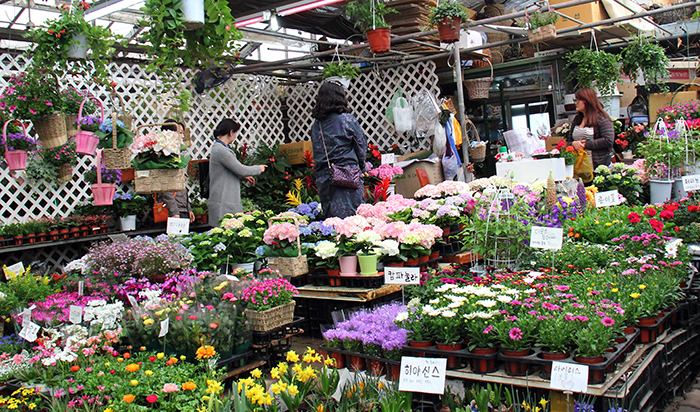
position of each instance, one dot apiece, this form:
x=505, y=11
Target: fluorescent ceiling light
x=109, y=8
x=282, y=11
x=305, y=7
x=248, y=22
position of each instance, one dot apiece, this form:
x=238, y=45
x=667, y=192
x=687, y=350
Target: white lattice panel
x=369, y=96
x=251, y=100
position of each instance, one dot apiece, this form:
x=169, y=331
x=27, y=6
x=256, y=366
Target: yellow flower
x=160, y=355
x=608, y=224
x=31, y=406
x=635, y=295
x=276, y=389
x=275, y=373
x=319, y=408
x=134, y=382
x=148, y=373
x=642, y=287
x=329, y=361
x=221, y=286
x=615, y=290
x=283, y=367
x=214, y=387
x=256, y=373
x=143, y=348
x=293, y=390
x=183, y=357
x=297, y=368
x=205, y=352
x=380, y=385
x=148, y=321
x=107, y=364
x=543, y=402
x=292, y=356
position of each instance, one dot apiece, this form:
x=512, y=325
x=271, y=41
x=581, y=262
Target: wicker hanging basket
x=159, y=180
x=117, y=158
x=476, y=154
x=289, y=266
x=478, y=89
x=270, y=319
x=65, y=173
x=51, y=130
x=123, y=115
x=542, y=34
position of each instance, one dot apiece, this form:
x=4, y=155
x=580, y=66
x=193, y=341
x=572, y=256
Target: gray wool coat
x=225, y=173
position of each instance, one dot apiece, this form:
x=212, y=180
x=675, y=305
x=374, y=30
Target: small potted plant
x=370, y=17
x=645, y=56
x=270, y=303
x=162, y=155
x=17, y=145
x=597, y=69
x=540, y=25
x=341, y=72
x=63, y=158
x=447, y=17
x=127, y=206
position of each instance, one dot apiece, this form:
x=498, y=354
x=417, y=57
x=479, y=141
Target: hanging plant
x=591, y=68
x=340, y=69
x=56, y=40
x=447, y=17
x=646, y=56
x=369, y=16
x=172, y=48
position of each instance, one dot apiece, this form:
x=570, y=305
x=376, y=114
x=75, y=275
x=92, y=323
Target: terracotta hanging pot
x=448, y=29
x=379, y=39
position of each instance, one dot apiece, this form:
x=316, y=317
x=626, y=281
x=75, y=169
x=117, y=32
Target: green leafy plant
x=447, y=10
x=32, y=95
x=663, y=157
x=38, y=170
x=340, y=69
x=647, y=56
x=594, y=68
x=61, y=155
x=538, y=19
x=54, y=39
x=369, y=14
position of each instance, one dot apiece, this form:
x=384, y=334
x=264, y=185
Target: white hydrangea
x=325, y=249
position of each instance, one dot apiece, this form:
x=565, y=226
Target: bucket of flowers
x=159, y=160
x=115, y=141
x=270, y=303
x=16, y=146
x=85, y=138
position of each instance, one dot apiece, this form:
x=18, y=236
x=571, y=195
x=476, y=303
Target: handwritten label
x=607, y=198
x=178, y=226
x=14, y=270
x=26, y=316
x=691, y=183
x=546, y=237
x=132, y=300
x=76, y=314
x=401, y=276
x=81, y=288
x=505, y=194
x=164, y=327
x=29, y=331
x=425, y=375
x=388, y=159
x=569, y=377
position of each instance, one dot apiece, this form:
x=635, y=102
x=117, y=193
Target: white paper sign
x=691, y=183
x=505, y=194
x=14, y=270
x=401, y=276
x=388, y=159
x=569, y=377
x=29, y=331
x=76, y=314
x=178, y=226
x=81, y=288
x=391, y=190
x=607, y=198
x=425, y=375
x=132, y=300
x=26, y=316
x=546, y=237
x=164, y=327
x=143, y=173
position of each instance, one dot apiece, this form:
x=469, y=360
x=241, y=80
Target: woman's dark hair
x=225, y=127
x=593, y=107
x=331, y=98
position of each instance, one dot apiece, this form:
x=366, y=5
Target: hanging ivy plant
x=594, y=69
x=341, y=69
x=646, y=56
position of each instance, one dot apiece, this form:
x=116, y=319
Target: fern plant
x=646, y=56
x=594, y=68
x=369, y=13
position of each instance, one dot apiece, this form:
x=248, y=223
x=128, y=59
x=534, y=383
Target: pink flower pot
x=86, y=143
x=16, y=159
x=103, y=193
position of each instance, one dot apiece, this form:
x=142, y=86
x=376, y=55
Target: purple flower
x=515, y=334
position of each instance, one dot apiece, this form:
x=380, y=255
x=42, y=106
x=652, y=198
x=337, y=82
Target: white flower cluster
x=99, y=312
x=326, y=249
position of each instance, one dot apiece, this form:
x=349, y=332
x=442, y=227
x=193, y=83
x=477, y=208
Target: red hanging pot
x=448, y=29
x=379, y=39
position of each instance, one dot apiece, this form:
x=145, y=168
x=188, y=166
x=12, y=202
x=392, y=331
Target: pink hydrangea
x=284, y=231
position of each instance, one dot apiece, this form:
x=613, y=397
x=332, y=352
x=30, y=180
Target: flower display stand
x=270, y=319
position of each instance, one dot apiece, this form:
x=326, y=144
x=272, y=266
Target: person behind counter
x=225, y=173
x=593, y=129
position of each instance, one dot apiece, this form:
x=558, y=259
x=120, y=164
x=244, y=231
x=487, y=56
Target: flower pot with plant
x=646, y=56
x=86, y=141
x=591, y=68
x=69, y=38
x=72, y=98
x=127, y=206
x=16, y=145
x=270, y=303
x=447, y=17
x=283, y=247
x=540, y=25
x=62, y=158
x=341, y=72
x=369, y=15
x=366, y=243
x=160, y=161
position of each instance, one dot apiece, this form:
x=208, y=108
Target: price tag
x=132, y=300
x=29, y=331
x=401, y=276
x=546, y=237
x=426, y=375
x=178, y=226
x=569, y=377
x=76, y=314
x=81, y=288
x=391, y=190
x=388, y=159
x=505, y=194
x=14, y=270
x=143, y=173
x=164, y=327
x=118, y=237
x=691, y=183
x=26, y=316
x=608, y=198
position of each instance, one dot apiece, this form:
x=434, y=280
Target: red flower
x=676, y=228
x=634, y=217
x=671, y=207
x=152, y=358
x=561, y=144
x=650, y=211
x=152, y=398
x=656, y=225
x=693, y=208
x=273, y=160
x=666, y=214
x=75, y=368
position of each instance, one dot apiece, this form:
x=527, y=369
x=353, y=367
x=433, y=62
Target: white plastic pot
x=194, y=14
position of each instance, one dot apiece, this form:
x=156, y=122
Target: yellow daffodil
x=214, y=386
x=275, y=373
x=292, y=357
x=543, y=402
x=256, y=373
x=148, y=321
x=293, y=390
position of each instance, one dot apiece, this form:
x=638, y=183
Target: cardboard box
x=295, y=151
x=410, y=182
x=552, y=142
x=660, y=100
x=584, y=13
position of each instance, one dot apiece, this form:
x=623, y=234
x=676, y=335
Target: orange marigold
x=205, y=352
x=132, y=367
x=128, y=398
x=189, y=386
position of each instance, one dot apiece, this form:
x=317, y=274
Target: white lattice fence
x=369, y=96
x=251, y=100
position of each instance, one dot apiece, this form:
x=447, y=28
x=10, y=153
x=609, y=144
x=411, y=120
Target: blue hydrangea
x=260, y=251
x=106, y=126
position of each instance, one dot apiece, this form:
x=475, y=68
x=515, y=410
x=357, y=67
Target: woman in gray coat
x=225, y=173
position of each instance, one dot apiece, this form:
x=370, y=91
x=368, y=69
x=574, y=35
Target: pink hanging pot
x=86, y=141
x=102, y=192
x=16, y=159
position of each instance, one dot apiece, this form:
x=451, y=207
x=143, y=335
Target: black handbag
x=342, y=176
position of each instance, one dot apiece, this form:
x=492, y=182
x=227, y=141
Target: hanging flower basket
x=77, y=50
x=448, y=29
x=117, y=158
x=86, y=141
x=159, y=180
x=542, y=34
x=193, y=12
x=51, y=130
x=478, y=89
x=16, y=159
x=270, y=319
x=65, y=173
x=379, y=40
x=102, y=192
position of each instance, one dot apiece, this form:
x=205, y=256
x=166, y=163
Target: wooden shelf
x=243, y=369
